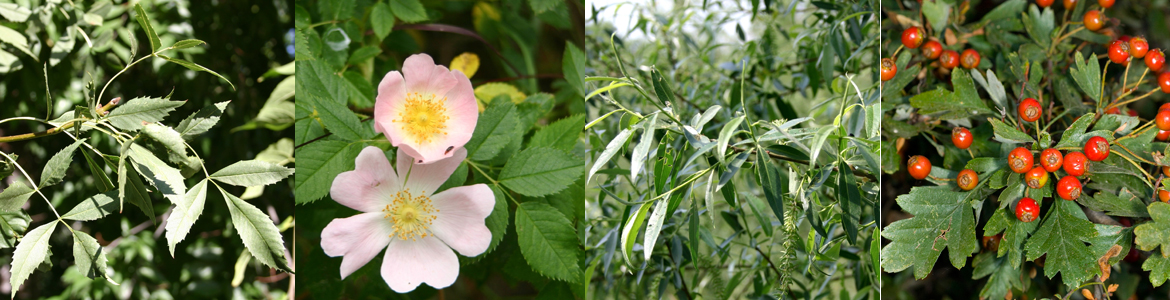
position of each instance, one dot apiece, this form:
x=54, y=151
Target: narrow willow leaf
x=184, y=215
x=319, y=163
x=144, y=21
x=88, y=255
x=662, y=88
x=202, y=120
x=196, y=67
x=642, y=150
x=850, y=200
x=258, y=232
x=654, y=227
x=562, y=134
x=168, y=137
x=709, y=197
x=548, y=241
x=93, y=208
x=252, y=173
x=187, y=44
x=725, y=136
x=541, y=171
x=14, y=197
x=30, y=253
x=774, y=183
x=166, y=179
x=104, y=182
x=818, y=143
x=630, y=230
x=496, y=128
x=131, y=115
x=57, y=166
x=610, y=151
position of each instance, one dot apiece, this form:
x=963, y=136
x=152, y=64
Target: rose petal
x=423, y=76
x=391, y=95
x=428, y=177
x=459, y=221
x=410, y=263
x=368, y=187
x=358, y=239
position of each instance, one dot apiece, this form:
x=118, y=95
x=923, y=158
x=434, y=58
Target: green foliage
x=548, y=241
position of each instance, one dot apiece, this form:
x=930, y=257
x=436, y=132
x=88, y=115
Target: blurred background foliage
x=520, y=47
x=245, y=40
x=805, y=62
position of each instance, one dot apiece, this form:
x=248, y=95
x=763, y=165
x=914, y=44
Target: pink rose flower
x=426, y=110
x=417, y=227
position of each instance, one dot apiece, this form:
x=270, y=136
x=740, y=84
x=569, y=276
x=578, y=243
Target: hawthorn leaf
x=1014, y=232
x=131, y=115
x=202, y=120
x=562, y=134
x=1159, y=267
x=1156, y=233
x=1002, y=276
x=943, y=218
x=184, y=215
x=319, y=163
x=1074, y=135
x=548, y=241
x=57, y=166
x=30, y=254
x=252, y=173
x=1088, y=75
x=95, y=207
x=258, y=232
x=964, y=102
x=1064, y=234
x=541, y=171
x=88, y=255
x=14, y=196
x=1124, y=204
x=1008, y=134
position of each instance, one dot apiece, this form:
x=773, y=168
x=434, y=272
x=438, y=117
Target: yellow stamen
x=410, y=215
x=424, y=117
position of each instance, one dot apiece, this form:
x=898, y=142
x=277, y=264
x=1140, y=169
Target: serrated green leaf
x=251, y=173
x=1159, y=267
x=103, y=180
x=134, y=191
x=1014, y=232
x=165, y=178
x=548, y=240
x=541, y=171
x=187, y=44
x=14, y=12
x=1124, y=204
x=1156, y=233
x=381, y=19
x=573, y=65
x=338, y=119
x=88, y=255
x=144, y=21
x=1063, y=234
x=96, y=207
x=1088, y=75
x=196, y=67
x=14, y=197
x=362, y=54
x=258, y=232
x=168, y=137
x=202, y=120
x=184, y=215
x=12, y=225
x=319, y=163
x=943, y=218
x=562, y=134
x=57, y=166
x=1008, y=134
x=1003, y=276
x=1074, y=135
x=131, y=115
x=30, y=253
x=409, y=11
x=964, y=102
x=496, y=127
x=937, y=13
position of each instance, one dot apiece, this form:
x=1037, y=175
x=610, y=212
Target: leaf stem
x=36, y=187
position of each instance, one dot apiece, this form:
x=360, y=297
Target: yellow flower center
x=410, y=215
x=424, y=117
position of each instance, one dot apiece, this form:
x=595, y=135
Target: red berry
x=1020, y=160
x=919, y=167
x=991, y=243
x=1113, y=111
x=889, y=69
x=1124, y=38
x=967, y=179
x=1093, y=20
x=1162, y=120
x=961, y=137
x=1155, y=59
x=1164, y=195
x=970, y=58
x=1074, y=163
x=1096, y=149
x=1027, y=210
x=1069, y=188
x=1051, y=159
x=1166, y=171
x=949, y=59
x=1044, y=3
x=912, y=37
x=1070, y=4
x=1164, y=106
x=1105, y=3
x=931, y=49
x=1036, y=178
x=1138, y=47
x=1119, y=52
x=1164, y=82
x=1030, y=110
x=1163, y=135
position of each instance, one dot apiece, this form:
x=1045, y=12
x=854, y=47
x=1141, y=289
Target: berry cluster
x=914, y=38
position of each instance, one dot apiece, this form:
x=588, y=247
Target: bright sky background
x=623, y=20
